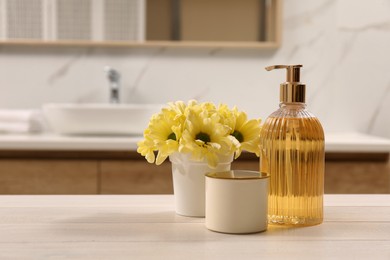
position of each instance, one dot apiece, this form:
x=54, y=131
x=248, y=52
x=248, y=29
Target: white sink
x=99, y=119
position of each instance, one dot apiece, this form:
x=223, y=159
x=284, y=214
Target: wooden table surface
x=146, y=227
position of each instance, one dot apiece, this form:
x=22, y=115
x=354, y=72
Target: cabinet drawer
x=25, y=176
x=135, y=177
x=357, y=177
x=346, y=177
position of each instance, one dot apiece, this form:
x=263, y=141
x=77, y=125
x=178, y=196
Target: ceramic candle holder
x=236, y=201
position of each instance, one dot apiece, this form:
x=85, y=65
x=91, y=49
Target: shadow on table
x=118, y=224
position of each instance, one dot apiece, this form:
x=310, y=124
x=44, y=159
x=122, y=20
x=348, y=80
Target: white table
x=146, y=227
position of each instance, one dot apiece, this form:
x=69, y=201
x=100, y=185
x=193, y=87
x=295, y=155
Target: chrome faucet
x=114, y=80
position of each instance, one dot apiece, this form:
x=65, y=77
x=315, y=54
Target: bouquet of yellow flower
x=203, y=130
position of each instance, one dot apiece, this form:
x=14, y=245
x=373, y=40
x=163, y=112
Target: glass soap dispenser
x=292, y=153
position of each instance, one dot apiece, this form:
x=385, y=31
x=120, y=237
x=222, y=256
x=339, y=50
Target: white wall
x=344, y=46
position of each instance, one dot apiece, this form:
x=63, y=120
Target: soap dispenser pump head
x=291, y=91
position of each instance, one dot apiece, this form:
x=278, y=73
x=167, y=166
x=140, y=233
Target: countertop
x=146, y=227
x=334, y=142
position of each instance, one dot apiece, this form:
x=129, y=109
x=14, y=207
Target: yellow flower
x=162, y=135
x=204, y=137
x=227, y=115
x=146, y=148
x=204, y=131
x=180, y=110
x=247, y=133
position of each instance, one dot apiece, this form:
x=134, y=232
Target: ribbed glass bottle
x=292, y=153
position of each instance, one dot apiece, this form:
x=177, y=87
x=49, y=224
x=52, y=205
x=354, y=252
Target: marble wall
x=344, y=46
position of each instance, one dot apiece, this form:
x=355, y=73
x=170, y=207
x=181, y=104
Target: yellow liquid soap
x=292, y=153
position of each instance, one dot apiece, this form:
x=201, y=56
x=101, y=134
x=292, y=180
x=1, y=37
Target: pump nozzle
x=293, y=71
x=291, y=90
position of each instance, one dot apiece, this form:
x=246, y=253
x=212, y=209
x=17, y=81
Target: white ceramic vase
x=189, y=182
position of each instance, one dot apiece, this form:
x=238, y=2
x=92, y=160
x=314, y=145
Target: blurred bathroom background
x=343, y=45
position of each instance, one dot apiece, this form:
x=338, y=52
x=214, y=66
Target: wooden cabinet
x=135, y=177
x=55, y=172
x=361, y=177
x=128, y=173
x=42, y=176
x=347, y=173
